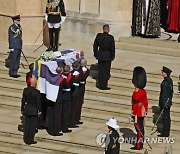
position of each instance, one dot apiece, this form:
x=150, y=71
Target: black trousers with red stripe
x=139, y=126
x=79, y=108
x=29, y=129
x=74, y=103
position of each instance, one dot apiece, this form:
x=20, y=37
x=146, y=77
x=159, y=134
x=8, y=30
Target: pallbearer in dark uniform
x=75, y=93
x=66, y=98
x=55, y=16
x=113, y=146
x=104, y=52
x=84, y=71
x=165, y=100
x=139, y=104
x=29, y=74
x=15, y=46
x=55, y=111
x=31, y=108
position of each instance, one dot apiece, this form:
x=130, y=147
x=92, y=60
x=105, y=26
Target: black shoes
x=134, y=148
x=49, y=48
x=15, y=76
x=34, y=142
x=79, y=122
x=73, y=126
x=162, y=135
x=67, y=131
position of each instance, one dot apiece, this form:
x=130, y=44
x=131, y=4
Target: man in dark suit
x=165, y=100
x=31, y=108
x=104, y=52
x=15, y=46
x=55, y=16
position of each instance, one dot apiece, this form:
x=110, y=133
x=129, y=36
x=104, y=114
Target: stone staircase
x=99, y=106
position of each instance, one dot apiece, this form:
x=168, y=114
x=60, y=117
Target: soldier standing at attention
x=31, y=108
x=15, y=46
x=139, y=105
x=55, y=15
x=165, y=100
x=104, y=52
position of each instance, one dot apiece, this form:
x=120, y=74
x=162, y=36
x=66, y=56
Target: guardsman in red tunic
x=139, y=104
x=84, y=71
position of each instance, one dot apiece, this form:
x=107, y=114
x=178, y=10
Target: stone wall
x=117, y=13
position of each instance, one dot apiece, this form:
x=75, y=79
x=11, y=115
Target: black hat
x=166, y=70
x=139, y=77
x=17, y=17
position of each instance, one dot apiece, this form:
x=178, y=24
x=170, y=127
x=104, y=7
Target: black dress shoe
x=107, y=88
x=58, y=134
x=162, y=135
x=134, y=148
x=13, y=76
x=34, y=142
x=73, y=126
x=79, y=122
x=18, y=75
x=49, y=48
x=67, y=131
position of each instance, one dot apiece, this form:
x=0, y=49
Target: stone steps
x=149, y=46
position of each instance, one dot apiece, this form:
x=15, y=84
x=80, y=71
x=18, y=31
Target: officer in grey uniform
x=15, y=46
x=165, y=100
x=55, y=15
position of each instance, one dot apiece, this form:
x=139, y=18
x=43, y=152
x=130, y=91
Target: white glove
x=11, y=50
x=63, y=18
x=46, y=16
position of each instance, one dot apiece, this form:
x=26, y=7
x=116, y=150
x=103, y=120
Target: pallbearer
x=139, y=104
x=84, y=71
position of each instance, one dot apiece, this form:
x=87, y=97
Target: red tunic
x=173, y=21
x=139, y=103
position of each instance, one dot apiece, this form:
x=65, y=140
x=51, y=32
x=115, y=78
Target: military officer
x=165, y=100
x=15, y=46
x=113, y=146
x=31, y=108
x=55, y=15
x=104, y=52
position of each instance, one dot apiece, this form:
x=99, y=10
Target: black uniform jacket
x=66, y=91
x=166, y=93
x=31, y=101
x=55, y=12
x=114, y=145
x=104, y=47
x=85, y=73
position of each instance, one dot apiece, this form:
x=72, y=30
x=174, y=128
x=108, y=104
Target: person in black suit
x=31, y=108
x=104, y=52
x=55, y=16
x=15, y=46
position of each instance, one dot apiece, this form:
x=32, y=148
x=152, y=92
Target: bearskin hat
x=139, y=77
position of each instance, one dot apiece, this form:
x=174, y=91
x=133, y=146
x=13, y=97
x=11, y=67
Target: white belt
x=82, y=82
x=67, y=89
x=76, y=84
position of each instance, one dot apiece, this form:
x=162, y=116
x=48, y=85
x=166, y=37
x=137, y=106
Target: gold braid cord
x=16, y=32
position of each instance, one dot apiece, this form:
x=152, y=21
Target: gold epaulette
x=114, y=146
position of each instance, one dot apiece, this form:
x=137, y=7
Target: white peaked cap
x=112, y=123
